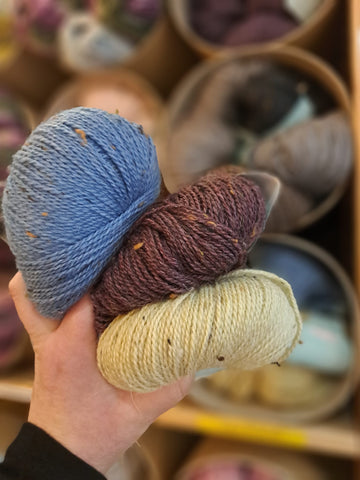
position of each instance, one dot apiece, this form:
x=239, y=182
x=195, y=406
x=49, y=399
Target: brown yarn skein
x=190, y=238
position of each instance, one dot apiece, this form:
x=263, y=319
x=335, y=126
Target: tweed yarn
x=75, y=188
x=247, y=319
x=189, y=238
x=314, y=156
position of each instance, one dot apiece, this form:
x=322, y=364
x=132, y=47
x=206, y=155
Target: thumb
x=35, y=324
x=153, y=404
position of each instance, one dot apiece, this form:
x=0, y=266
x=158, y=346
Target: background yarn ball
x=260, y=27
x=37, y=23
x=233, y=107
x=131, y=19
x=245, y=320
x=85, y=44
x=292, y=204
x=314, y=285
x=75, y=188
x=187, y=239
x=291, y=387
x=314, y=156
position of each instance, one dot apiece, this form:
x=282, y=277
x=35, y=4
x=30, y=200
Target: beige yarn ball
x=292, y=386
x=247, y=319
x=236, y=385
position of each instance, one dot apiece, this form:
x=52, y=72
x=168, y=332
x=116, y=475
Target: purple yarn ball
x=259, y=28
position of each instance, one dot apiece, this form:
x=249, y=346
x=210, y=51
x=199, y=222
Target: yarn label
x=250, y=430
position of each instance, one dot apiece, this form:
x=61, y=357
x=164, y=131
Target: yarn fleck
x=91, y=194
x=189, y=238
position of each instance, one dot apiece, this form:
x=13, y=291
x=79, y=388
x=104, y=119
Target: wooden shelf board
x=337, y=437
x=17, y=385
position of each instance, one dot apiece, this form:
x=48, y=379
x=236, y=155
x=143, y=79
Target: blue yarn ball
x=75, y=188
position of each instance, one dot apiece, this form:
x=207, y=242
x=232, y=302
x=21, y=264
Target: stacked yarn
x=265, y=118
x=236, y=104
x=75, y=191
x=232, y=23
x=188, y=239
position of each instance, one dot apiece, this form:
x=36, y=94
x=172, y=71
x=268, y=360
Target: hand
x=71, y=400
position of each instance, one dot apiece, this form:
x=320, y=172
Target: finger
x=35, y=324
x=78, y=323
x=153, y=404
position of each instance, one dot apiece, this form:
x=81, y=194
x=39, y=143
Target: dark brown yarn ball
x=190, y=238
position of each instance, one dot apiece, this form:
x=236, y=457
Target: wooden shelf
x=336, y=437
x=17, y=385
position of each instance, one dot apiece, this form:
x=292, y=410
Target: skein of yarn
x=319, y=149
x=85, y=44
x=76, y=186
x=326, y=345
x=188, y=239
x=248, y=319
x=259, y=28
x=239, y=23
x=237, y=385
x=292, y=386
x=292, y=205
x=302, y=9
x=229, y=109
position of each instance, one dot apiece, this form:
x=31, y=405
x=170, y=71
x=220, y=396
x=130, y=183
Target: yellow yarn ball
x=247, y=319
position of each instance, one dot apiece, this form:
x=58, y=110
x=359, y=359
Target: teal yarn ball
x=75, y=188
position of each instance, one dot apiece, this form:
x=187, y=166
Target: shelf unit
x=339, y=436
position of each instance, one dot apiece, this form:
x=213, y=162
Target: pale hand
x=71, y=400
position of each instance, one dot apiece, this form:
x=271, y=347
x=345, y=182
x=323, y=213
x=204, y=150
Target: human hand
x=71, y=400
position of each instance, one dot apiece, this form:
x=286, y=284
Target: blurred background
x=267, y=85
